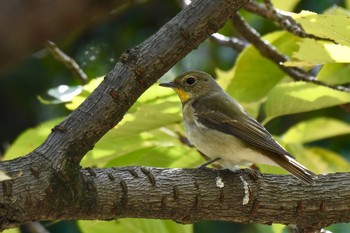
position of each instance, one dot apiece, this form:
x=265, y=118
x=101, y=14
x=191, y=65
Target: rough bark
x=49, y=177
x=183, y=195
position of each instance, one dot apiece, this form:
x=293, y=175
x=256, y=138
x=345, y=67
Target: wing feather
x=244, y=127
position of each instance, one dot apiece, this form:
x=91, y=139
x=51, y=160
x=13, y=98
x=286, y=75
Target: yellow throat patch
x=184, y=96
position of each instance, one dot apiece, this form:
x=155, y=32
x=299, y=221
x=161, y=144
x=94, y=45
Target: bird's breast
x=213, y=143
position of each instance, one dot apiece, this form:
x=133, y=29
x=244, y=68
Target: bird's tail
x=296, y=169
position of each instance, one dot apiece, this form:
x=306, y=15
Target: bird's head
x=193, y=84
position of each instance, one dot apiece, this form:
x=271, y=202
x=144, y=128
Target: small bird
x=219, y=127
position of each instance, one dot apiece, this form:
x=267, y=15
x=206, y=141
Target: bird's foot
x=206, y=164
x=254, y=173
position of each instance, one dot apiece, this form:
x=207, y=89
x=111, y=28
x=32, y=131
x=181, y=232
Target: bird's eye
x=190, y=80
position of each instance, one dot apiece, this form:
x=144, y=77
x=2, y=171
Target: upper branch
x=270, y=52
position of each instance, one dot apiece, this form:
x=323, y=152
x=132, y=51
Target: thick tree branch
x=190, y=195
x=52, y=170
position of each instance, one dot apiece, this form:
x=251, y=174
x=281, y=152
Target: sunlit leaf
x=337, y=10
x=285, y=5
x=337, y=73
x=30, y=139
x=146, y=135
x=160, y=147
x=13, y=230
x=312, y=52
x=150, y=116
x=224, y=79
x=328, y=161
x=61, y=94
x=319, y=160
x=134, y=226
x=315, y=129
x=296, y=97
x=85, y=92
x=279, y=228
x=64, y=93
x=334, y=27
x=254, y=76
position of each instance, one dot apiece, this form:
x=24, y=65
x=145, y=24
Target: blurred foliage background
x=32, y=102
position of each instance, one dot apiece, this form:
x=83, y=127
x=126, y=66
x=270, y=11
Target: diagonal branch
x=137, y=70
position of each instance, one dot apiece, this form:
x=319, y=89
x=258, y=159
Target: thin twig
x=69, y=62
x=259, y=9
x=285, y=20
x=231, y=42
x=218, y=38
x=270, y=52
x=282, y=18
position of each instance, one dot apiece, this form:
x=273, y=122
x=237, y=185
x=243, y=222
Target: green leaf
x=312, y=52
x=224, y=79
x=146, y=136
x=150, y=116
x=331, y=26
x=84, y=93
x=13, y=230
x=319, y=160
x=278, y=228
x=30, y=139
x=159, y=157
x=335, y=74
x=160, y=147
x=285, y=5
x=64, y=93
x=337, y=10
x=328, y=161
x=254, y=76
x=315, y=129
x=262, y=228
x=296, y=97
x=134, y=226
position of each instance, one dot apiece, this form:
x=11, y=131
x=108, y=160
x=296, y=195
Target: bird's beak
x=170, y=84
